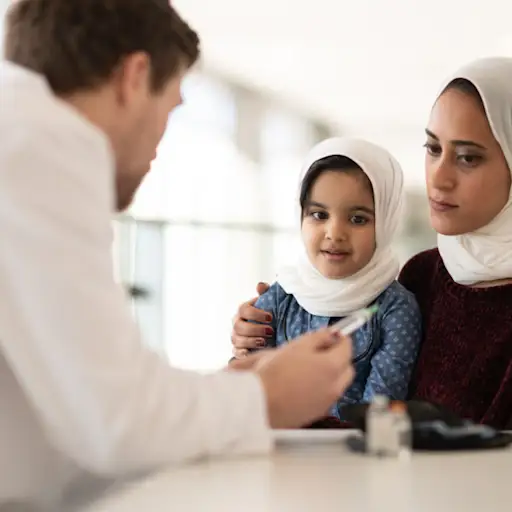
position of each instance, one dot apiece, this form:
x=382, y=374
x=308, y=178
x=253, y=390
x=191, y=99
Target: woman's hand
x=246, y=335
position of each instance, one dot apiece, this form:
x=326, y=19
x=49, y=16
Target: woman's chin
x=447, y=227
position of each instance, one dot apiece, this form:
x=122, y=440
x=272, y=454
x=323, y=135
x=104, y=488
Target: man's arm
x=104, y=399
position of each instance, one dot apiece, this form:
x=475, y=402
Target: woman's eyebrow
x=456, y=142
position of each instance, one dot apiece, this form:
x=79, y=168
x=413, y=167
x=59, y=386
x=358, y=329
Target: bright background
x=216, y=215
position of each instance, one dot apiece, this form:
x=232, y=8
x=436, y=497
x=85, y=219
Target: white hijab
x=339, y=297
x=486, y=254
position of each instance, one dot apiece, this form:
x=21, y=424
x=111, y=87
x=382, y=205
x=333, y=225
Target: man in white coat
x=86, y=90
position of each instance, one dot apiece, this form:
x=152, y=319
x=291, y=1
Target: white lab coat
x=79, y=393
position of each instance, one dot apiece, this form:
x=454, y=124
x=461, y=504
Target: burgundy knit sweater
x=465, y=361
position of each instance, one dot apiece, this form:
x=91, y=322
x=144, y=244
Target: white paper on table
x=311, y=436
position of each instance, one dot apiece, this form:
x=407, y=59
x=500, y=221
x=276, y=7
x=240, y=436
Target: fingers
x=262, y=288
x=247, y=311
x=244, y=342
x=243, y=329
x=335, y=351
x=344, y=380
x=238, y=364
x=323, y=339
x=239, y=353
x=245, y=363
x=241, y=310
x=339, y=364
x=340, y=351
x=253, y=361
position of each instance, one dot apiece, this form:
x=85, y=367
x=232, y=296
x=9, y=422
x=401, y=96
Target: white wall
x=224, y=185
x=358, y=65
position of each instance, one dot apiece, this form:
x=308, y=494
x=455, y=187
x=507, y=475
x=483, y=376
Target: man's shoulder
x=25, y=100
x=33, y=117
x=48, y=150
x=396, y=293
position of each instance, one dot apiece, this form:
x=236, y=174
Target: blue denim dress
x=384, y=350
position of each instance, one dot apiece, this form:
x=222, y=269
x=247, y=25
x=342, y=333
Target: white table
x=314, y=476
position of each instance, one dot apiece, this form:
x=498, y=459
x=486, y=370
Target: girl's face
x=338, y=223
x=468, y=180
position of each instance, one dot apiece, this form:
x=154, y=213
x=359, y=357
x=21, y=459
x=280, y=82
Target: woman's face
x=468, y=180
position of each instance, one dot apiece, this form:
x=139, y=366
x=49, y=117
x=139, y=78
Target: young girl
x=350, y=204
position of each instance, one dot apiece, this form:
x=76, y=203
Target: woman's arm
x=268, y=302
x=266, y=307
x=249, y=325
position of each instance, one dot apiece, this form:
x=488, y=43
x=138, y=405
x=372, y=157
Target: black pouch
x=434, y=428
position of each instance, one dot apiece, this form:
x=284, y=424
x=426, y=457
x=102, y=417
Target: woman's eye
x=432, y=149
x=469, y=160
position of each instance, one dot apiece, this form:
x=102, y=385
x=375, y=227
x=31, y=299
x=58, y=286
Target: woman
x=464, y=287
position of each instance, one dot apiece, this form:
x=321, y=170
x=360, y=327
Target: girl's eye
x=319, y=215
x=358, y=220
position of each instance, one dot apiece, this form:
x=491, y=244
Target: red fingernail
x=269, y=331
x=335, y=335
x=260, y=342
x=268, y=318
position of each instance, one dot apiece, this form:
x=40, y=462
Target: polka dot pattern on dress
x=385, y=349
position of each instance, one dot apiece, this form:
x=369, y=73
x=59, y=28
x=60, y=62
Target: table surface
x=314, y=471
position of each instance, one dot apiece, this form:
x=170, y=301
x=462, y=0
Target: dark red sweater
x=465, y=361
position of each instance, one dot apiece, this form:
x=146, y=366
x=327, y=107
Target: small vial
x=378, y=427
x=402, y=430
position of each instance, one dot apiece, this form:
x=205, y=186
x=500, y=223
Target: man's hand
x=303, y=379
x=252, y=361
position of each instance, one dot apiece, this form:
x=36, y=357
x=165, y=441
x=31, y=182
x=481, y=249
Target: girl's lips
x=335, y=255
x=441, y=206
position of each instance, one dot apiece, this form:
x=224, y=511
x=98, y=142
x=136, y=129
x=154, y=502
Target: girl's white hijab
x=339, y=297
x=486, y=254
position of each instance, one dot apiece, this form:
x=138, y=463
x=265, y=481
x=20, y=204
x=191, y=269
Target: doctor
x=86, y=92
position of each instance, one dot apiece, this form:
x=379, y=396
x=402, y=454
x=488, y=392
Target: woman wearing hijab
x=463, y=287
x=350, y=199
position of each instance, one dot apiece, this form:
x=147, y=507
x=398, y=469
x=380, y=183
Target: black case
x=455, y=433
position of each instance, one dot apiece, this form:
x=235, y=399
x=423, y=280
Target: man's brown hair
x=79, y=44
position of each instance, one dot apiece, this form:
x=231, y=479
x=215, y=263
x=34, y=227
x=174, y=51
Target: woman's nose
x=441, y=175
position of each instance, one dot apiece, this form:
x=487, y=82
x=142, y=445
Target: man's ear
x=132, y=79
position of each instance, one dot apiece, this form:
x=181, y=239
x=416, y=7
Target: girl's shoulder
x=397, y=296
x=273, y=297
